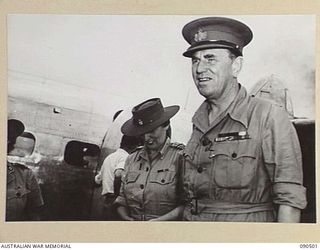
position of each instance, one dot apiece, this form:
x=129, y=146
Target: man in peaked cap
x=150, y=188
x=243, y=161
x=24, y=198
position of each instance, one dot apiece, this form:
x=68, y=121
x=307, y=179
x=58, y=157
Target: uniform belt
x=225, y=207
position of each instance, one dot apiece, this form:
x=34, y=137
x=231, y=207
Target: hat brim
x=129, y=128
x=190, y=51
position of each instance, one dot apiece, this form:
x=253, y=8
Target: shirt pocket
x=235, y=163
x=16, y=202
x=17, y=193
x=163, y=178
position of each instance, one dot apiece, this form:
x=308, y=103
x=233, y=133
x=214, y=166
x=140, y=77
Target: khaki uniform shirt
x=150, y=189
x=23, y=193
x=232, y=176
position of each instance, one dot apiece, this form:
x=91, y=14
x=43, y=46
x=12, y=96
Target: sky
x=102, y=63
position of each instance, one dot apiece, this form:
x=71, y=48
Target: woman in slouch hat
x=151, y=185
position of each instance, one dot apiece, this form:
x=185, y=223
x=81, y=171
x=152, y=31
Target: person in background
x=150, y=188
x=23, y=197
x=111, y=171
x=117, y=114
x=243, y=160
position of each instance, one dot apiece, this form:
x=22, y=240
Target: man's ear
x=237, y=66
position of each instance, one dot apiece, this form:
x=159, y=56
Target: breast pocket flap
x=236, y=149
x=162, y=178
x=131, y=177
x=17, y=193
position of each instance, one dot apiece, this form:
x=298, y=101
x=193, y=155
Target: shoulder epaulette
x=177, y=145
x=135, y=152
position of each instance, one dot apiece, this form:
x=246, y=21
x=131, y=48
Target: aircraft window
x=24, y=145
x=81, y=154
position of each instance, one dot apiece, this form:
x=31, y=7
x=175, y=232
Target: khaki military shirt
x=23, y=193
x=150, y=189
x=242, y=164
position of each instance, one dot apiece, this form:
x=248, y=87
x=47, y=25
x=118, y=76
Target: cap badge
x=140, y=122
x=200, y=35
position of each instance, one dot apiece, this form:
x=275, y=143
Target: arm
x=123, y=213
x=288, y=214
x=174, y=214
x=283, y=161
x=98, y=178
x=117, y=181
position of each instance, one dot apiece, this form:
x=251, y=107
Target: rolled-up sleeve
x=283, y=160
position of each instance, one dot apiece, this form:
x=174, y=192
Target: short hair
x=233, y=54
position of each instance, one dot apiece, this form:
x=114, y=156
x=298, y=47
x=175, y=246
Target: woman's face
x=155, y=139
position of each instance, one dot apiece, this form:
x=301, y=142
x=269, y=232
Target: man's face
x=212, y=72
x=155, y=139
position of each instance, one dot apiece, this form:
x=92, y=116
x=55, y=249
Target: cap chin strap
x=213, y=44
x=218, y=42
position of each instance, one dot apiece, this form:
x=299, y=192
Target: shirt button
x=18, y=194
x=142, y=186
x=200, y=169
x=205, y=141
x=234, y=155
x=147, y=169
x=162, y=181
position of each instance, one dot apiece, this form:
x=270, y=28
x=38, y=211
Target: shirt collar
x=200, y=118
x=122, y=151
x=237, y=110
x=144, y=154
